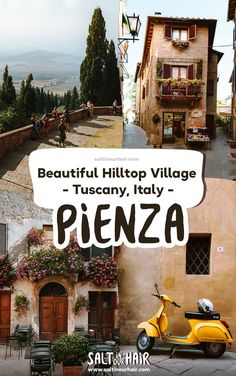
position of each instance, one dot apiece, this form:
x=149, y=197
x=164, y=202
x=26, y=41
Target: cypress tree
x=111, y=76
x=92, y=67
x=8, y=92
x=29, y=95
x=74, y=102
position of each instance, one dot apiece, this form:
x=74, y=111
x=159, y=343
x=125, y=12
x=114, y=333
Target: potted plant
x=35, y=236
x=21, y=303
x=81, y=303
x=72, y=351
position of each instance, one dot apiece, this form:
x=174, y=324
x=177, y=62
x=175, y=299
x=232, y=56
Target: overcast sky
x=216, y=9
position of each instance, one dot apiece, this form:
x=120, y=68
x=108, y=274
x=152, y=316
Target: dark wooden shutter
x=143, y=93
x=3, y=239
x=190, y=72
x=168, y=31
x=192, y=32
x=166, y=71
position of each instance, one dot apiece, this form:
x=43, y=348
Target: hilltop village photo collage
x=118, y=187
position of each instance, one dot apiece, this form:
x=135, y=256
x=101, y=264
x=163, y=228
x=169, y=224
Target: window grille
x=198, y=254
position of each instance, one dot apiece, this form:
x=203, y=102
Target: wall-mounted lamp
x=134, y=25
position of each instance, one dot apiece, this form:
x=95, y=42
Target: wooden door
x=5, y=315
x=53, y=316
x=101, y=313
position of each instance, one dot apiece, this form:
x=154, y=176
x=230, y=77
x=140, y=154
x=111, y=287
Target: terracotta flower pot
x=72, y=370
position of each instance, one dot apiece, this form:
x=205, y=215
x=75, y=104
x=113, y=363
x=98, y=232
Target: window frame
x=195, y=236
x=91, y=252
x=4, y=252
x=191, y=31
x=180, y=31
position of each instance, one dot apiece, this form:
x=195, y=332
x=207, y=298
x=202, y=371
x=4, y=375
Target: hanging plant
x=102, y=271
x=35, y=236
x=21, y=303
x=7, y=272
x=81, y=303
x=73, y=245
x=48, y=262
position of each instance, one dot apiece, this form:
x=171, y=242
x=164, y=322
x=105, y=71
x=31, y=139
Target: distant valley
x=56, y=72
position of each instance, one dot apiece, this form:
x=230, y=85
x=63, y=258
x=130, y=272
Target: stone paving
x=220, y=161
x=184, y=362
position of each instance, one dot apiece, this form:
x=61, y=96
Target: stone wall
x=10, y=141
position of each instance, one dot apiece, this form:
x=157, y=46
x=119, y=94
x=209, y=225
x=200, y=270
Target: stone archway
x=53, y=311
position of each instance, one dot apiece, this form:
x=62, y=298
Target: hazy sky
x=55, y=25
x=216, y=9
x=62, y=25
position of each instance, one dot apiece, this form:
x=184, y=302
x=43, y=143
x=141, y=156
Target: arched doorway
x=53, y=311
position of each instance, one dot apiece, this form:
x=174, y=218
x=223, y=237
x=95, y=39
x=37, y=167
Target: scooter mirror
x=156, y=287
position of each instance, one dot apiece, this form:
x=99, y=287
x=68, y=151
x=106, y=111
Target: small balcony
x=180, y=90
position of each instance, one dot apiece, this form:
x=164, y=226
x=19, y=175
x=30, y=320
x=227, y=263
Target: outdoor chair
x=40, y=367
x=40, y=361
x=13, y=343
x=102, y=369
x=25, y=334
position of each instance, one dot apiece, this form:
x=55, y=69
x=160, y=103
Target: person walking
x=46, y=125
x=54, y=113
x=35, y=129
x=67, y=118
x=91, y=109
x=62, y=133
x=114, y=107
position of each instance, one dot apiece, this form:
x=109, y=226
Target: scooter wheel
x=213, y=349
x=144, y=343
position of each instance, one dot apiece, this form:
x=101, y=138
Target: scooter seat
x=213, y=315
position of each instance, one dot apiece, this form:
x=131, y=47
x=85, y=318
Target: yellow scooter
x=208, y=332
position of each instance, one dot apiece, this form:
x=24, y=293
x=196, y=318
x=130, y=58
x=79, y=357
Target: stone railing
x=10, y=141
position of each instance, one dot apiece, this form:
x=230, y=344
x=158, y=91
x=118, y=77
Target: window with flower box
x=178, y=71
x=183, y=34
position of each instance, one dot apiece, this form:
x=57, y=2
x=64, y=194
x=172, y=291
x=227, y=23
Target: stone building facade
x=51, y=299
x=177, y=80
x=204, y=268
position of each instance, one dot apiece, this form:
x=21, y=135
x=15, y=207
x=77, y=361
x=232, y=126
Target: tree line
x=17, y=109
